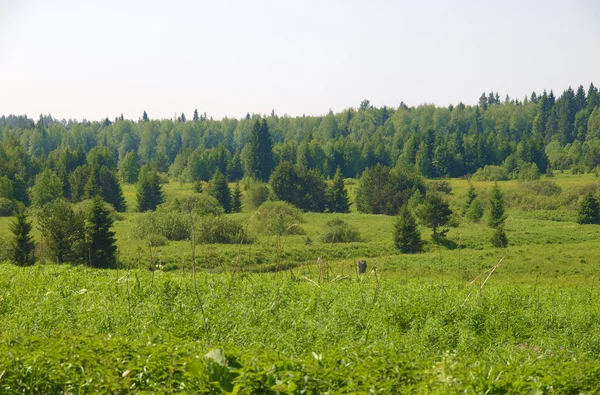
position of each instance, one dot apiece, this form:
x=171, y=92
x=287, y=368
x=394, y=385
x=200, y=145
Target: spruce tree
x=145, y=116
x=101, y=240
x=471, y=196
x=499, y=239
x=220, y=190
x=496, y=215
x=260, y=157
x=337, y=196
x=236, y=199
x=434, y=212
x=196, y=118
x=235, y=170
x=407, y=237
x=149, y=191
x=589, y=210
x=23, y=245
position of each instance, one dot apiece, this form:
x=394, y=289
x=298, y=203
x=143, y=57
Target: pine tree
x=434, y=212
x=471, y=196
x=220, y=190
x=23, y=245
x=63, y=231
x=101, y=240
x=337, y=196
x=407, y=237
x=496, y=215
x=145, y=116
x=236, y=199
x=196, y=118
x=235, y=170
x=589, y=210
x=149, y=191
x=260, y=157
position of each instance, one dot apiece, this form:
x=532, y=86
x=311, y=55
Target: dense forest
x=519, y=138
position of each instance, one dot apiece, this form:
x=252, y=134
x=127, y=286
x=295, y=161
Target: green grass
x=424, y=323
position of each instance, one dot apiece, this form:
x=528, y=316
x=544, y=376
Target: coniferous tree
x=145, y=116
x=589, y=210
x=407, y=237
x=23, y=245
x=496, y=214
x=63, y=231
x=196, y=118
x=149, y=191
x=337, y=196
x=434, y=212
x=499, y=239
x=236, y=199
x=101, y=240
x=235, y=170
x=260, y=157
x=471, y=196
x=220, y=190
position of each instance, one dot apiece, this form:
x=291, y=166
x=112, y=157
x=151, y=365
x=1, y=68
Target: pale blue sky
x=92, y=59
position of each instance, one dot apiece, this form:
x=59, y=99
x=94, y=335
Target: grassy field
x=463, y=317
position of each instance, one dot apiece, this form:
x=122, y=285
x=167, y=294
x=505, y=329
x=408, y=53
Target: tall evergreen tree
x=196, y=118
x=337, y=196
x=63, y=232
x=261, y=151
x=236, y=199
x=589, y=210
x=101, y=240
x=496, y=214
x=407, y=237
x=145, y=116
x=235, y=170
x=149, y=191
x=220, y=190
x=434, y=212
x=23, y=245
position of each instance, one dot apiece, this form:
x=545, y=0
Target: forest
x=220, y=256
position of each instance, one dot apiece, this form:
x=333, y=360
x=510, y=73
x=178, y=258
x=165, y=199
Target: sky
x=95, y=59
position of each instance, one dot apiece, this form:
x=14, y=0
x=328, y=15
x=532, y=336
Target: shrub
x=441, y=186
x=338, y=231
x=529, y=171
x=219, y=229
x=85, y=207
x=543, y=187
x=170, y=224
x=156, y=240
x=7, y=207
x=201, y=204
x=491, y=173
x=256, y=194
x=279, y=218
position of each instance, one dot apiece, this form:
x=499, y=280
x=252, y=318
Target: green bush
x=157, y=240
x=219, y=229
x=279, y=218
x=84, y=207
x=338, y=231
x=441, y=186
x=255, y=195
x=172, y=225
x=7, y=207
x=542, y=187
x=201, y=204
x=491, y=173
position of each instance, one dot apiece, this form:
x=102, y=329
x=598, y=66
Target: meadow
x=294, y=317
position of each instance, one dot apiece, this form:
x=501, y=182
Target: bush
x=7, y=207
x=200, y=204
x=157, y=240
x=529, y=171
x=256, y=194
x=543, y=187
x=84, y=207
x=491, y=173
x=219, y=229
x=338, y=231
x=441, y=186
x=279, y=218
x=170, y=224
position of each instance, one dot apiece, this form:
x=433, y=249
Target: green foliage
x=47, y=188
x=528, y=172
x=23, y=245
x=197, y=186
x=236, y=199
x=475, y=211
x=337, y=196
x=499, y=239
x=149, y=192
x=496, y=210
x=100, y=238
x=543, y=187
x=260, y=155
x=256, y=194
x=439, y=186
x=63, y=232
x=103, y=182
x=7, y=207
x=172, y=225
x=434, y=212
x=155, y=240
x=491, y=173
x=589, y=210
x=219, y=229
x=279, y=218
x=384, y=191
x=129, y=168
x=338, y=231
x=302, y=187
x=407, y=237
x=220, y=190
